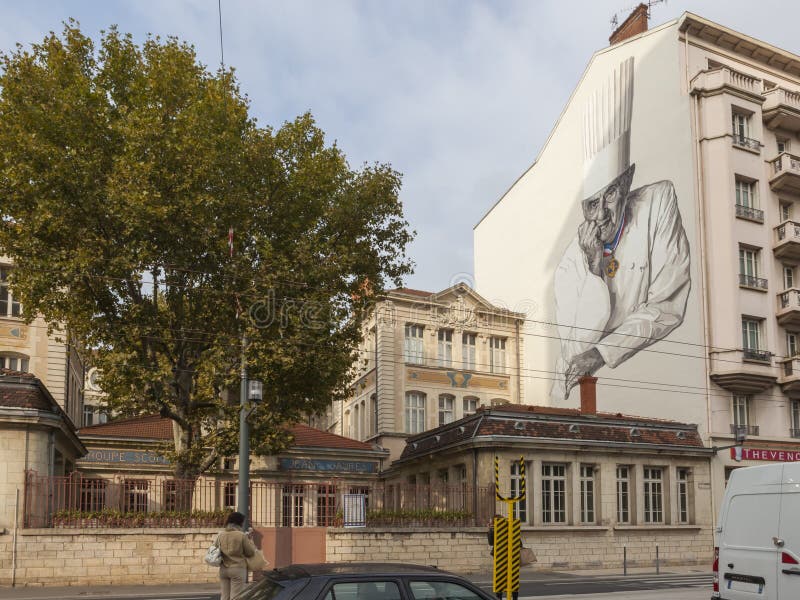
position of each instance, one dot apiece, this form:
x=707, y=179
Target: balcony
x=788, y=313
x=781, y=109
x=748, y=429
x=749, y=213
x=742, y=371
x=722, y=79
x=785, y=173
x=787, y=241
x=753, y=283
x=789, y=377
x=746, y=143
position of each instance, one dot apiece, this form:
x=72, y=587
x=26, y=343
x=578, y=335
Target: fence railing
x=81, y=501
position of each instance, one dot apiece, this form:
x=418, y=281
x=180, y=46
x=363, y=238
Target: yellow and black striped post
x=507, y=538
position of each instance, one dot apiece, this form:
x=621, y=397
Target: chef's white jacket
x=646, y=299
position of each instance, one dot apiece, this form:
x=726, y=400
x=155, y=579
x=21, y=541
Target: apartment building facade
x=686, y=301
x=428, y=359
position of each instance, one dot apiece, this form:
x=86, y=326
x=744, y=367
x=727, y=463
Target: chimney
x=588, y=395
x=635, y=24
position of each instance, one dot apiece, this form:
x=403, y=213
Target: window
x=9, y=307
x=373, y=401
x=783, y=145
x=470, y=406
x=497, y=347
x=362, y=490
x=135, y=497
x=653, y=495
x=745, y=193
x=788, y=277
x=748, y=261
x=93, y=492
x=445, y=348
x=683, y=495
x=741, y=411
x=430, y=590
x=177, y=494
x=554, y=493
x=229, y=495
x=366, y=590
x=587, y=494
x=740, y=126
x=326, y=505
x=468, y=350
x=414, y=347
x=791, y=344
x=795, y=418
x=415, y=412
x=623, y=494
x=88, y=415
x=520, y=508
x=446, y=408
x=14, y=363
x=786, y=212
x=751, y=336
x=356, y=422
x=292, y=503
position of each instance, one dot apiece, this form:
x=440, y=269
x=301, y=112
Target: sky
x=457, y=95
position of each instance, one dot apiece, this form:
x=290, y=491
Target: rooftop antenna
x=629, y=9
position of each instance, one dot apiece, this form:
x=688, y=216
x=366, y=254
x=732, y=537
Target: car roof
x=353, y=568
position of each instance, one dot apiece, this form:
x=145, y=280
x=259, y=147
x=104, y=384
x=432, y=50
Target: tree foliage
x=122, y=168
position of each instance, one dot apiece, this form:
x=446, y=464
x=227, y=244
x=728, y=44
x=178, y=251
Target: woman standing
x=235, y=546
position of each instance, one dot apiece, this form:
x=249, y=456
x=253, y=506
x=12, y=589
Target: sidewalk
x=128, y=591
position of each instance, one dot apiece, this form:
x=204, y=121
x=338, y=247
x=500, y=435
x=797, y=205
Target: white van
x=758, y=535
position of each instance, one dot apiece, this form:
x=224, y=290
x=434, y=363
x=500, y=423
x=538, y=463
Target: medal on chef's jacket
x=608, y=251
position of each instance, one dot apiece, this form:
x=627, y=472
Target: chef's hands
x=592, y=246
x=585, y=363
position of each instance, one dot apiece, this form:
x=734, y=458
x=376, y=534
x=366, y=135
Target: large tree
x=122, y=169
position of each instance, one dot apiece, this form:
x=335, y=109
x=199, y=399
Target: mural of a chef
x=623, y=282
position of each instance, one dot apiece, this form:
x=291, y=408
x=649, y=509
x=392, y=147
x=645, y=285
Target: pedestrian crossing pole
x=507, y=538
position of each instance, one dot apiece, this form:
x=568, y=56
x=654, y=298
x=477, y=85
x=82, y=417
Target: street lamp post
x=251, y=391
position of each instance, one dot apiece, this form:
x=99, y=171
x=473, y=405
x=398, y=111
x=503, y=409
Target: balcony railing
x=747, y=429
x=781, y=109
x=720, y=77
x=788, y=231
x=778, y=96
x=748, y=212
x=789, y=299
x=759, y=355
x=785, y=163
x=752, y=282
x=794, y=432
x=746, y=142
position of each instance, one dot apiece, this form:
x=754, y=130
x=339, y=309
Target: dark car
x=361, y=581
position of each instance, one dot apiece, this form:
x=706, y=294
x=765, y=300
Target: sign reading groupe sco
x=765, y=454
x=125, y=456
x=347, y=466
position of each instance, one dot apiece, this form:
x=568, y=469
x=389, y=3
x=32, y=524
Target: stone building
x=596, y=482
x=52, y=358
x=428, y=359
x=679, y=148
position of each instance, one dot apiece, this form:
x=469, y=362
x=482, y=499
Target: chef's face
x=606, y=207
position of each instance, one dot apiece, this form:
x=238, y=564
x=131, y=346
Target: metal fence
x=78, y=500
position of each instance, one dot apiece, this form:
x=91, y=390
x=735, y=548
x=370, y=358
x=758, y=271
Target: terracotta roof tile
x=152, y=427
x=309, y=437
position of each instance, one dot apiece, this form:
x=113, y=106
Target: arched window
x=373, y=400
x=14, y=362
x=415, y=412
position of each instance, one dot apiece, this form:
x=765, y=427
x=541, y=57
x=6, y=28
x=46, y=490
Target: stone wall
x=57, y=557
x=53, y=557
x=466, y=550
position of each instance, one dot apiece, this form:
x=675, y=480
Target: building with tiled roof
x=37, y=435
x=426, y=359
x=598, y=481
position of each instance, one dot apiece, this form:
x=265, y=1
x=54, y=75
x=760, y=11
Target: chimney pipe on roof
x=635, y=24
x=588, y=395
